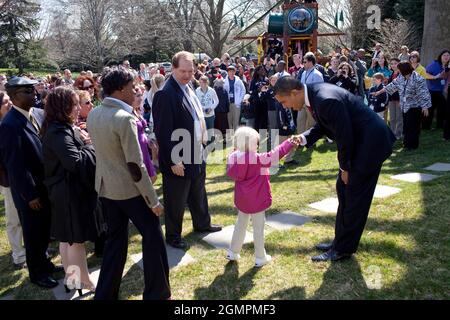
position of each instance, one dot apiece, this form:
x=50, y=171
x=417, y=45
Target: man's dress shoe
x=331, y=255
x=211, y=228
x=46, y=282
x=177, y=243
x=324, y=246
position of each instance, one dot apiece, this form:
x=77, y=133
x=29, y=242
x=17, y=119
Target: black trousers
x=179, y=191
x=411, y=128
x=355, y=199
x=447, y=118
x=439, y=106
x=36, y=237
x=156, y=267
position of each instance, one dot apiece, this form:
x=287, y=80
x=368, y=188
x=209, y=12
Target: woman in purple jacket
x=142, y=137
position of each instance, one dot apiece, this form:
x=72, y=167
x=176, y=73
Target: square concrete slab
x=60, y=293
x=415, y=177
x=441, y=167
x=385, y=191
x=222, y=239
x=286, y=220
x=329, y=205
x=176, y=258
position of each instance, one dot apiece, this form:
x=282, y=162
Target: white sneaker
x=262, y=262
x=233, y=256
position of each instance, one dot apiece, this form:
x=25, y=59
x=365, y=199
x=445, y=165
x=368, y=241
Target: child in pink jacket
x=252, y=194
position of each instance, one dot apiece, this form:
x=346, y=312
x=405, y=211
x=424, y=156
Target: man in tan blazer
x=125, y=190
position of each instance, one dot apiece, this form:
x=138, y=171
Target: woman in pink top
x=252, y=194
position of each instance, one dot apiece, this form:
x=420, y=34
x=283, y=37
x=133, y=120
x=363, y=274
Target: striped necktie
x=34, y=123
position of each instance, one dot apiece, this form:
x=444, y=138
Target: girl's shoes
x=262, y=262
x=232, y=256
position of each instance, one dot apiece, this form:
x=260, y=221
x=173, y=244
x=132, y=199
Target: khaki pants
x=305, y=121
x=234, y=116
x=258, y=221
x=13, y=228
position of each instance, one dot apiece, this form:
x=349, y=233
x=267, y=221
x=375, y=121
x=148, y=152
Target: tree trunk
x=436, y=29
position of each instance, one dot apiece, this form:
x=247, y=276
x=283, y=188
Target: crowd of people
x=79, y=157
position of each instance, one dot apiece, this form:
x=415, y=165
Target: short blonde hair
x=379, y=76
x=246, y=139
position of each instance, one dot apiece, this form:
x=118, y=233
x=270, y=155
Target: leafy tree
x=17, y=22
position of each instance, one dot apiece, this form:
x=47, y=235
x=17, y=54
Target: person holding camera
x=215, y=71
x=379, y=65
x=260, y=108
x=361, y=70
x=345, y=78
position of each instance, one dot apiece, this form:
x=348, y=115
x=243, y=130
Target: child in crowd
x=378, y=103
x=252, y=195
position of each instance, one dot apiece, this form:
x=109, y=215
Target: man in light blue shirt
x=311, y=75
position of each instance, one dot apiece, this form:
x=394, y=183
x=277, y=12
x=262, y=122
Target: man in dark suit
x=364, y=142
x=21, y=151
x=181, y=134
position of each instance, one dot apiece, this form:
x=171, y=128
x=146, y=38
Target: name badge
x=443, y=82
x=404, y=99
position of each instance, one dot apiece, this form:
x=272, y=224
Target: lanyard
x=308, y=74
x=404, y=89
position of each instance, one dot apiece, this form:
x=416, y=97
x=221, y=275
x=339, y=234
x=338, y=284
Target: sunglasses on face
x=28, y=90
x=88, y=102
x=90, y=87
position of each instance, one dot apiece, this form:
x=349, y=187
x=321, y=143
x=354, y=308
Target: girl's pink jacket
x=250, y=171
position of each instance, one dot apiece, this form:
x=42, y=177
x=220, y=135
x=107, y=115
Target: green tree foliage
x=17, y=23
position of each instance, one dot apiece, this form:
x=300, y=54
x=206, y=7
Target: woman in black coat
x=259, y=81
x=345, y=78
x=69, y=162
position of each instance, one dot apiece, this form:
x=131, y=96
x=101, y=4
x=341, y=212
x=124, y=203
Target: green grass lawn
x=403, y=252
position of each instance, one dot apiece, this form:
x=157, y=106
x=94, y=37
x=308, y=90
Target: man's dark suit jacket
x=21, y=152
x=170, y=113
x=363, y=139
